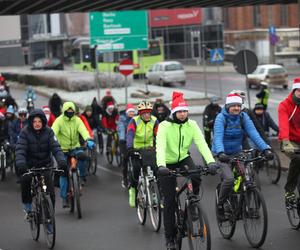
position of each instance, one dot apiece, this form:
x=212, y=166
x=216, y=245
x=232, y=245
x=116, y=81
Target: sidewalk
x=196, y=100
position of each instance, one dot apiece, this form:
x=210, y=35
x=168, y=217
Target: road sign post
x=217, y=56
x=126, y=68
x=245, y=62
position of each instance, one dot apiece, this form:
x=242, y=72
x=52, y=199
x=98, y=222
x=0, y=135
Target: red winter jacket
x=289, y=121
x=110, y=122
x=86, y=124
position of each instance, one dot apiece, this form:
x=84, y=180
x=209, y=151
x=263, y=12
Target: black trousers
x=123, y=149
x=168, y=186
x=100, y=141
x=26, y=188
x=207, y=136
x=293, y=177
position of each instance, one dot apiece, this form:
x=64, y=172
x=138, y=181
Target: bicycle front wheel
x=198, y=228
x=154, y=206
x=273, y=169
x=255, y=218
x=49, y=221
x=76, y=194
x=118, y=156
x=293, y=213
x=34, y=219
x=141, y=204
x=109, y=156
x=93, y=161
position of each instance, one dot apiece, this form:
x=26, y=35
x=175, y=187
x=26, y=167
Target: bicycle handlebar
x=187, y=172
x=32, y=171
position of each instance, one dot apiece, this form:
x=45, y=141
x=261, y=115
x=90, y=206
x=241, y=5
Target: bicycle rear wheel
x=118, y=156
x=154, y=206
x=226, y=225
x=93, y=161
x=198, y=228
x=273, y=169
x=109, y=156
x=34, y=220
x=3, y=168
x=141, y=204
x=49, y=221
x=293, y=213
x=255, y=218
x=76, y=194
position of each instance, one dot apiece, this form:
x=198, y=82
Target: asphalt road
x=109, y=224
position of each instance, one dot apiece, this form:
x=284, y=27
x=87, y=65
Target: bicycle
x=148, y=195
x=245, y=202
x=42, y=207
x=114, y=150
x=3, y=162
x=191, y=221
x=74, y=185
x=293, y=207
x=92, y=160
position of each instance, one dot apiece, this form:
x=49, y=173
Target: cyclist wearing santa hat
x=50, y=117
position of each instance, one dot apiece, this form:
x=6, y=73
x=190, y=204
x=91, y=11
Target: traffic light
x=93, y=57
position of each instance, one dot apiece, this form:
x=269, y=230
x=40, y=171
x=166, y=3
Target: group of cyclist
x=163, y=136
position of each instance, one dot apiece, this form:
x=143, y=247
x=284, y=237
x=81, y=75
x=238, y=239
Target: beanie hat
x=88, y=108
x=296, y=83
x=10, y=109
x=232, y=99
x=259, y=106
x=129, y=108
x=178, y=103
x=46, y=109
x=110, y=105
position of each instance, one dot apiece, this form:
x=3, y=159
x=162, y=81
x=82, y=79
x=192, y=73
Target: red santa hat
x=234, y=99
x=46, y=109
x=130, y=107
x=178, y=103
x=110, y=105
x=296, y=84
x=108, y=92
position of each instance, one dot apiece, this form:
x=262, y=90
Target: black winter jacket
x=266, y=122
x=35, y=148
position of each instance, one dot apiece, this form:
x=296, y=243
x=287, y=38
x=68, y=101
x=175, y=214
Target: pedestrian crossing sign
x=216, y=55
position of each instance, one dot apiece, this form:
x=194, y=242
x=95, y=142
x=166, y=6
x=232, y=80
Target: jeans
x=81, y=164
x=168, y=187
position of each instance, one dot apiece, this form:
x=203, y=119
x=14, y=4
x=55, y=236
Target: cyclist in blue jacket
x=229, y=129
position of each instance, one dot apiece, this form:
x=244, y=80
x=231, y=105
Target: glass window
x=284, y=15
x=256, y=16
x=154, y=49
x=172, y=67
x=261, y=71
x=76, y=55
x=277, y=71
x=176, y=51
x=176, y=35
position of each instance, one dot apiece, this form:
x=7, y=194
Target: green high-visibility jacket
x=174, y=140
x=144, y=132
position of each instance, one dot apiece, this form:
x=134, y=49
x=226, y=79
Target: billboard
x=174, y=17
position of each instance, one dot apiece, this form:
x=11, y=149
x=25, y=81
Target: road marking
x=109, y=171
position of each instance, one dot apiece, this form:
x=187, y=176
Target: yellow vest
x=143, y=137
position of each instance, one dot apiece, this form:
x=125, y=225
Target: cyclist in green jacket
x=67, y=128
x=141, y=133
x=174, y=138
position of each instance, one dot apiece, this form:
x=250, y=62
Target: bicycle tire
x=226, y=227
x=253, y=200
x=256, y=179
x=3, y=167
x=293, y=213
x=118, y=156
x=49, y=221
x=196, y=240
x=273, y=169
x=179, y=231
x=34, y=222
x=141, y=204
x=76, y=194
x=93, y=161
x=109, y=156
x=154, y=208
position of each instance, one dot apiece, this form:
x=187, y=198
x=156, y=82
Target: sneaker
x=125, y=183
x=290, y=199
x=28, y=216
x=220, y=211
x=170, y=244
x=50, y=228
x=27, y=207
x=83, y=180
x=132, y=197
x=65, y=203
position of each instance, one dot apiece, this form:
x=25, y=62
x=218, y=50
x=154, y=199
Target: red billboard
x=175, y=17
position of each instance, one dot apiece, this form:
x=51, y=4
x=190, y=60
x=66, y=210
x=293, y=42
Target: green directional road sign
x=119, y=30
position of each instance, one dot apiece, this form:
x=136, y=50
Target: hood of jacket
x=66, y=106
x=37, y=113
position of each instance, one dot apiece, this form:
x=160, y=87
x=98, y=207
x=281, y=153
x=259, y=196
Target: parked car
x=164, y=73
x=271, y=73
x=48, y=64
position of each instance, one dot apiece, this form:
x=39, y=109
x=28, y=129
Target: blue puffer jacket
x=122, y=125
x=229, y=131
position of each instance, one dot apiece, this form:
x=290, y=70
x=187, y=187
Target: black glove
x=223, y=157
x=130, y=151
x=21, y=170
x=213, y=167
x=63, y=166
x=163, y=171
x=268, y=154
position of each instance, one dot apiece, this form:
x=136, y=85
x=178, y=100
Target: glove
x=213, y=167
x=223, y=157
x=130, y=151
x=22, y=170
x=63, y=166
x=163, y=171
x=90, y=144
x=288, y=147
x=268, y=154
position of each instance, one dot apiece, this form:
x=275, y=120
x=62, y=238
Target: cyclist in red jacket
x=289, y=135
